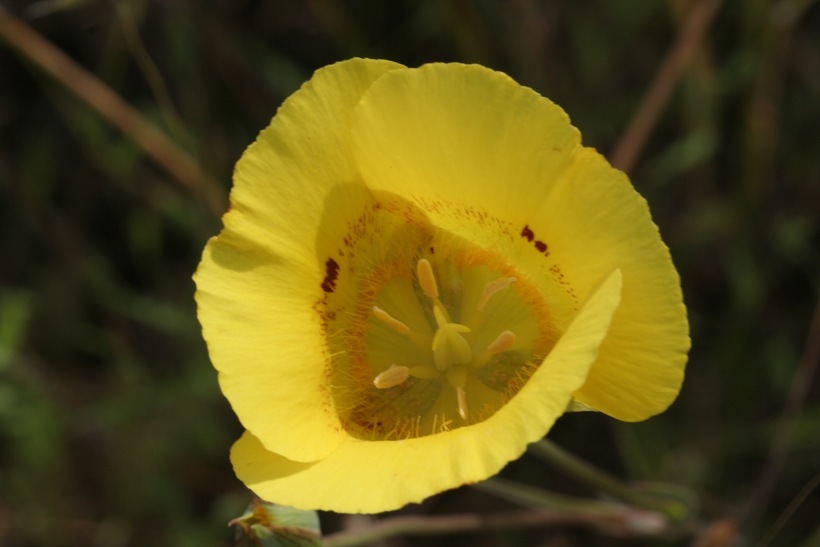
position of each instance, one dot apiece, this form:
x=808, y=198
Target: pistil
x=449, y=346
x=454, y=359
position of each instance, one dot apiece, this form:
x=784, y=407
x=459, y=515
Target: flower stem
x=691, y=34
x=603, y=511
x=667, y=500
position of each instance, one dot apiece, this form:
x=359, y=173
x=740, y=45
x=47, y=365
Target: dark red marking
x=331, y=274
x=529, y=235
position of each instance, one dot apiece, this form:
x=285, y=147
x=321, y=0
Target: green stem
x=661, y=500
x=537, y=498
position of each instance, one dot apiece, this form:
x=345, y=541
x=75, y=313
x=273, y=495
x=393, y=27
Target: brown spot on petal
x=539, y=245
x=331, y=274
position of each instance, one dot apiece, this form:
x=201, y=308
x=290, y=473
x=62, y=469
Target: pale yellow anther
x=503, y=342
x=457, y=377
x=427, y=280
x=394, y=376
x=492, y=288
x=461, y=397
x=390, y=321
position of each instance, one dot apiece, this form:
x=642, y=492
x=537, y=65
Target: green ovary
x=446, y=343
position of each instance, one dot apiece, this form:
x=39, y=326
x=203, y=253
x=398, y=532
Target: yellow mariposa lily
x=421, y=270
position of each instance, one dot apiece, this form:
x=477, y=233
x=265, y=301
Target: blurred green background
x=112, y=428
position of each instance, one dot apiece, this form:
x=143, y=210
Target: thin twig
x=787, y=513
x=90, y=89
x=148, y=67
x=631, y=144
x=625, y=526
x=801, y=382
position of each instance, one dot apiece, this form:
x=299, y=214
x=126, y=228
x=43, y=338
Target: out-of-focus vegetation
x=112, y=428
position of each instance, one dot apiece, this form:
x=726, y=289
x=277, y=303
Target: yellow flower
x=421, y=270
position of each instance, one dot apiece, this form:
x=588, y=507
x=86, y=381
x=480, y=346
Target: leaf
x=269, y=525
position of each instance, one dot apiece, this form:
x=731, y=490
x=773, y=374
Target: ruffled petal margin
x=500, y=166
x=469, y=146
x=374, y=476
x=594, y=222
x=260, y=278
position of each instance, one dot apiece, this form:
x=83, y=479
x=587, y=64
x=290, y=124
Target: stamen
x=457, y=377
x=503, y=342
x=433, y=388
x=390, y=321
x=426, y=278
x=461, y=396
x=394, y=376
x=493, y=287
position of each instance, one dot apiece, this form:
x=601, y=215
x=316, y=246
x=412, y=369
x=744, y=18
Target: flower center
x=446, y=343
x=452, y=353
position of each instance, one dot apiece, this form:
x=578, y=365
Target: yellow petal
x=281, y=184
x=493, y=162
x=467, y=145
x=596, y=222
x=468, y=150
x=249, y=322
x=260, y=282
x=374, y=476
